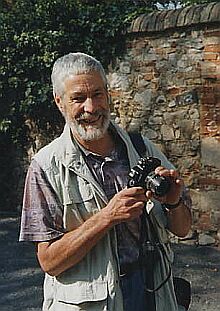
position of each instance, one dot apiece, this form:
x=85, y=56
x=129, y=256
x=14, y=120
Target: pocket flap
x=80, y=192
x=82, y=291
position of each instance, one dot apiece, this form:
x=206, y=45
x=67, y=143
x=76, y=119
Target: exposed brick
x=211, y=56
x=175, y=91
x=212, y=33
x=208, y=98
x=212, y=48
x=209, y=181
x=115, y=93
x=204, y=222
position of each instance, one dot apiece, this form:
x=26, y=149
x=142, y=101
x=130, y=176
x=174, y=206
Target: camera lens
x=159, y=185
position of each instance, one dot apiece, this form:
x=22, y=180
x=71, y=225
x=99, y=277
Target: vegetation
x=33, y=34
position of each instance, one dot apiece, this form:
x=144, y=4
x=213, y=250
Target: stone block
x=125, y=67
x=155, y=120
x=136, y=24
x=144, y=98
x=182, y=17
x=172, y=118
x=215, y=217
x=152, y=21
x=189, y=16
x=142, y=82
x=167, y=133
x=215, y=13
x=197, y=14
x=150, y=133
x=171, y=19
x=194, y=114
x=206, y=13
x=119, y=81
x=206, y=201
x=205, y=239
x=211, y=39
x=210, y=152
x=159, y=26
x=145, y=22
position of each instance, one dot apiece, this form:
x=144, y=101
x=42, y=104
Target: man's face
x=85, y=106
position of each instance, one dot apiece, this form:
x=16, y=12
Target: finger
x=133, y=191
x=134, y=211
x=162, y=171
x=149, y=195
x=137, y=208
x=174, y=174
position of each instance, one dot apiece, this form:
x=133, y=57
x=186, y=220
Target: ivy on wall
x=35, y=33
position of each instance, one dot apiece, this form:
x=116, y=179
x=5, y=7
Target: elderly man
x=80, y=213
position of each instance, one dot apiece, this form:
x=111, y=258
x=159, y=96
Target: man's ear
x=59, y=103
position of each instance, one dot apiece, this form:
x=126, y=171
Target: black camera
x=143, y=175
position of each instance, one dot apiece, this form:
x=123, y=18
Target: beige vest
x=93, y=284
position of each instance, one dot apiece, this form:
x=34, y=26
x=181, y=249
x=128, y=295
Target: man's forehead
x=93, y=79
x=81, y=82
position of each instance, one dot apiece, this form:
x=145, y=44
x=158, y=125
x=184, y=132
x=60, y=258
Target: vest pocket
x=81, y=292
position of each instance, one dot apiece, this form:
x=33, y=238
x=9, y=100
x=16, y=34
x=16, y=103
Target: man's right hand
x=57, y=256
x=125, y=205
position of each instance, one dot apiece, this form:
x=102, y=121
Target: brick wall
x=167, y=85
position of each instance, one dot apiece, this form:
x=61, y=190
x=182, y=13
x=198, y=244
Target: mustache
x=86, y=115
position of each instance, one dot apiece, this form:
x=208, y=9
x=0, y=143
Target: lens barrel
x=157, y=184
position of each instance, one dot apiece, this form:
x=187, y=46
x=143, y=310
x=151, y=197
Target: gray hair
x=74, y=64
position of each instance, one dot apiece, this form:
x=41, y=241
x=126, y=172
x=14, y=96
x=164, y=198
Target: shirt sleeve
x=42, y=212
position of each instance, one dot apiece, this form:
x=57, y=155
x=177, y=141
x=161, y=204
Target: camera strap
x=181, y=286
x=150, y=246
x=148, y=232
x=138, y=143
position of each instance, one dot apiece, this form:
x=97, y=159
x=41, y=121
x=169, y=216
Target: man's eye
x=99, y=94
x=78, y=99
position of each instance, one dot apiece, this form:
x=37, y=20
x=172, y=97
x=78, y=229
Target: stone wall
x=167, y=86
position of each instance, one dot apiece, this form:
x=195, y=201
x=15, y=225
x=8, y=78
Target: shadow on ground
x=21, y=278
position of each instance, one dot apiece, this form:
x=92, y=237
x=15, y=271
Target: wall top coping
x=168, y=19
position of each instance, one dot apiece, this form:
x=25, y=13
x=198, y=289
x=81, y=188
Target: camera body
x=143, y=175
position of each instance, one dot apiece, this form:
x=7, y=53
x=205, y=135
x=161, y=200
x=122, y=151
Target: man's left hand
x=177, y=184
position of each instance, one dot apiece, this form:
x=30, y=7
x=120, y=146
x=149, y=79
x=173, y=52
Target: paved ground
x=201, y=266
x=21, y=278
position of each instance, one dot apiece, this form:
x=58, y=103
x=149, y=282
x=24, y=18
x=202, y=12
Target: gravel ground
x=21, y=278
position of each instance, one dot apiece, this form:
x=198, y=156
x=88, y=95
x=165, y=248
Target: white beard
x=90, y=132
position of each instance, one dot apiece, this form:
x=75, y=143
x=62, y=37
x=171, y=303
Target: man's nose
x=89, y=105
